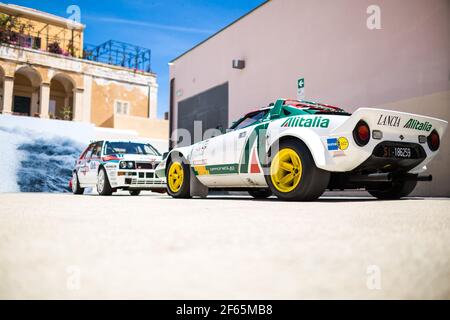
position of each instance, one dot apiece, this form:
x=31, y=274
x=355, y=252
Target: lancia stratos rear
x=298, y=149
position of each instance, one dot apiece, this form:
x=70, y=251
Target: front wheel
x=293, y=174
x=394, y=190
x=103, y=185
x=134, y=192
x=178, y=179
x=76, y=189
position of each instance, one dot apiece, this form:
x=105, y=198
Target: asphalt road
x=152, y=246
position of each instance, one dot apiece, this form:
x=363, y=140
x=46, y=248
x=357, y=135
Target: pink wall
x=329, y=44
x=404, y=66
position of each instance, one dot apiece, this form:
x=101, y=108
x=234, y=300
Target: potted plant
x=54, y=47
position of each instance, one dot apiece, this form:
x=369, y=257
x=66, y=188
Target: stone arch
x=26, y=90
x=62, y=87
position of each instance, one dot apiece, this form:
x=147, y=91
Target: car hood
x=139, y=157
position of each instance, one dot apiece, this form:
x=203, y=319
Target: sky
x=167, y=27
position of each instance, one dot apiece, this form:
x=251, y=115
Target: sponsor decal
x=256, y=137
x=389, y=120
x=216, y=169
x=417, y=125
x=332, y=144
x=340, y=143
x=84, y=169
x=200, y=170
x=307, y=122
x=254, y=166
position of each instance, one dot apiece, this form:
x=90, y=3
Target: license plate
x=397, y=152
x=401, y=152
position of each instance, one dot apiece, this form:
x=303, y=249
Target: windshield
x=130, y=148
x=250, y=119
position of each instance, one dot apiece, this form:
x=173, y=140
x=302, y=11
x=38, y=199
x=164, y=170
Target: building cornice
x=75, y=65
x=25, y=12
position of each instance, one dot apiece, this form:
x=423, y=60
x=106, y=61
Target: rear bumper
x=382, y=160
x=371, y=157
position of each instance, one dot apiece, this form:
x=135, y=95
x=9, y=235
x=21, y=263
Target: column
x=34, y=102
x=44, y=100
x=8, y=87
x=152, y=101
x=87, y=98
x=77, y=104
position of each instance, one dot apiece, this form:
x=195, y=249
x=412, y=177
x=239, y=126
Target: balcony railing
x=53, y=44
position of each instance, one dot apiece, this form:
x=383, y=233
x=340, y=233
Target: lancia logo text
x=391, y=121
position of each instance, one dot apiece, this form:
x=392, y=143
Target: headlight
x=126, y=165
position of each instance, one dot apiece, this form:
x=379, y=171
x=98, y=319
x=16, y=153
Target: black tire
x=76, y=189
x=260, y=193
x=313, y=181
x=103, y=189
x=134, y=192
x=184, y=190
x=393, y=190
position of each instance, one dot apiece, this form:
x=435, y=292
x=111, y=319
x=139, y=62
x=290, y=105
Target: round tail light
x=361, y=133
x=433, y=140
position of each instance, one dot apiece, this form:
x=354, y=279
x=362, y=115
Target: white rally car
x=115, y=164
x=298, y=149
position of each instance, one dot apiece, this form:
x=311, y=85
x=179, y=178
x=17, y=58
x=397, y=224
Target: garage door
x=210, y=107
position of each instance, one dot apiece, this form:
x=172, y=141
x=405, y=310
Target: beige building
x=45, y=73
x=353, y=54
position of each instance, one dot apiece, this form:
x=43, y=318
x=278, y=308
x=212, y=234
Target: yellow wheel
x=286, y=170
x=293, y=174
x=175, y=176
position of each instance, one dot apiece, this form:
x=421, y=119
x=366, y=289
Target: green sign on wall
x=301, y=89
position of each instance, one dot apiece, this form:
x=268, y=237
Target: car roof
x=122, y=140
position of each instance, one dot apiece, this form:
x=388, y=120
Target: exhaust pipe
x=425, y=178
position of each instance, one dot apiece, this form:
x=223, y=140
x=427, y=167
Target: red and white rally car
x=117, y=164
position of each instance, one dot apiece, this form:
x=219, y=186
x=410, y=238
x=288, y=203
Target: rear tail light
x=361, y=133
x=434, y=141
